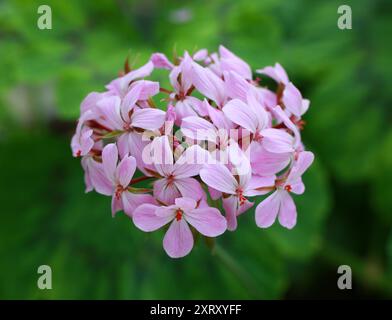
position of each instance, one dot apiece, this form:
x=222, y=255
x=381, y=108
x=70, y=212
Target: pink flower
x=253, y=117
x=230, y=62
x=238, y=139
x=209, y=84
x=180, y=79
x=120, y=86
x=280, y=204
x=176, y=177
x=160, y=61
x=178, y=240
x=82, y=141
x=200, y=55
x=120, y=176
x=267, y=163
x=94, y=176
x=236, y=86
x=292, y=100
x=216, y=130
x=291, y=97
x=276, y=72
x=236, y=187
x=126, y=117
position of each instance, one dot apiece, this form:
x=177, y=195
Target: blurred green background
x=345, y=217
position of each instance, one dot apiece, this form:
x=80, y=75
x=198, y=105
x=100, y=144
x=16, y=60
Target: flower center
x=127, y=127
x=241, y=197
x=257, y=136
x=170, y=179
x=179, y=214
x=119, y=190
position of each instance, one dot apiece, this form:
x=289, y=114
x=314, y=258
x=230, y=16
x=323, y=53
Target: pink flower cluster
x=210, y=144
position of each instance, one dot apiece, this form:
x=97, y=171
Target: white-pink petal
x=145, y=218
x=267, y=210
x=190, y=188
x=149, y=118
x=219, y=177
x=240, y=113
x=185, y=204
x=125, y=170
x=208, y=83
x=292, y=99
x=288, y=211
x=277, y=140
x=230, y=205
x=178, y=240
x=208, y=221
x=109, y=161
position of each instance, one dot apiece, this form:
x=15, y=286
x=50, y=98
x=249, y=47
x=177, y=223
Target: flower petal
x=186, y=204
x=97, y=177
x=145, y=218
x=230, y=62
x=190, y=188
x=218, y=177
x=230, y=205
x=208, y=83
x=292, y=99
x=132, y=200
x=288, y=211
x=162, y=156
x=277, y=141
x=276, y=72
x=147, y=88
x=303, y=162
x=240, y=113
x=109, y=107
x=267, y=163
x=208, y=221
x=190, y=162
x=149, y=118
x=160, y=61
x=236, y=86
x=198, y=129
x=165, y=192
x=258, y=182
x=178, y=240
x=126, y=170
x=116, y=205
x=267, y=210
x=109, y=161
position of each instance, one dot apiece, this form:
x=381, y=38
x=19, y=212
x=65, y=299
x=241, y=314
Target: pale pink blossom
x=276, y=72
x=237, y=187
x=178, y=240
x=176, y=177
x=280, y=204
x=160, y=61
x=238, y=139
x=119, y=176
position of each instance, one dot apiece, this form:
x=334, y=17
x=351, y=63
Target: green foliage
x=345, y=215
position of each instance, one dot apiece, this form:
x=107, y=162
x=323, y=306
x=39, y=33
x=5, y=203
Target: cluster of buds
x=193, y=157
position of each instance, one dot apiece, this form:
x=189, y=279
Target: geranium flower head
x=201, y=155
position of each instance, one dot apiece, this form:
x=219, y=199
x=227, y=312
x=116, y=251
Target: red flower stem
x=165, y=90
x=140, y=179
